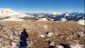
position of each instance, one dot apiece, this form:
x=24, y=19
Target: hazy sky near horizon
x=44, y=6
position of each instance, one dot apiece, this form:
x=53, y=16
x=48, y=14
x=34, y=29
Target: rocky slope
x=40, y=32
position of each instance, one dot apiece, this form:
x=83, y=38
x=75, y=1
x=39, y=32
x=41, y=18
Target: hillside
x=62, y=32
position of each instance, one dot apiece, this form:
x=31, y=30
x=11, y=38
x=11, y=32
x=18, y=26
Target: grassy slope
x=36, y=27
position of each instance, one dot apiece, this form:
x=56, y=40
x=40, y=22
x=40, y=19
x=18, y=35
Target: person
x=23, y=39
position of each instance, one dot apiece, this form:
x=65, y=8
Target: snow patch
x=63, y=19
x=77, y=46
x=82, y=22
x=59, y=46
x=43, y=19
x=67, y=14
x=13, y=19
x=56, y=13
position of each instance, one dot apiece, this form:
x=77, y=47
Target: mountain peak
x=9, y=12
x=13, y=15
x=56, y=13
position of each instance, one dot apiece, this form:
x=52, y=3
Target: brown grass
x=63, y=29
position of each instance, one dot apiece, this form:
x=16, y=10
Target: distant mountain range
x=8, y=14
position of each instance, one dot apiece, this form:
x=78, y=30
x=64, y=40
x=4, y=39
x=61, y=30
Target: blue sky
x=44, y=6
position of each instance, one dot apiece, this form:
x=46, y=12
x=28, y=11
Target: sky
x=44, y=6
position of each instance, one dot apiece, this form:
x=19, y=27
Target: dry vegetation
x=65, y=32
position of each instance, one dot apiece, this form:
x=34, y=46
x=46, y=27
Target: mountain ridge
x=11, y=15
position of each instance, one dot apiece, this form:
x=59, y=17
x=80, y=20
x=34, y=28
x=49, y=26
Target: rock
x=42, y=36
x=77, y=46
x=50, y=34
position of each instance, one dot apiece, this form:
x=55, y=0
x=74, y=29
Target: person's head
x=24, y=30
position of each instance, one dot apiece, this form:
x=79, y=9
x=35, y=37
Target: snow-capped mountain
x=56, y=13
x=8, y=14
